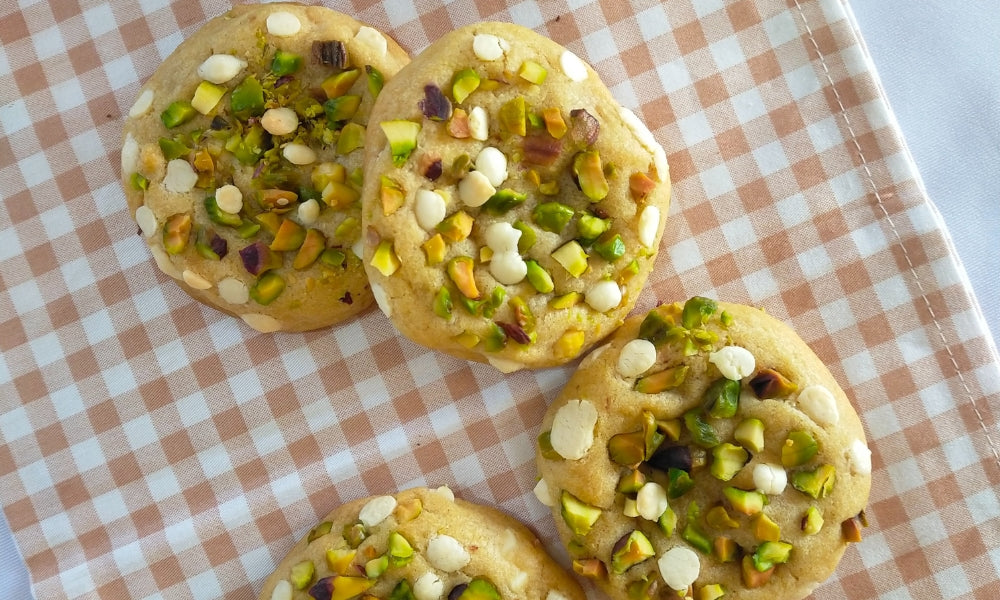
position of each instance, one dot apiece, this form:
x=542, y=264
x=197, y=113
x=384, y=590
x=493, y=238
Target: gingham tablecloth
x=152, y=447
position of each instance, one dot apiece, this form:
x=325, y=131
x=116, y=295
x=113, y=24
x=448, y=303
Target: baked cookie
x=512, y=208
x=705, y=450
x=242, y=161
x=419, y=544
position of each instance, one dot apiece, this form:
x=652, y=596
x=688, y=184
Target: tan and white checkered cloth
x=152, y=447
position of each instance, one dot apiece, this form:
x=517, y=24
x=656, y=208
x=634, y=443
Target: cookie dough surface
x=421, y=544
x=513, y=209
x=242, y=159
x=704, y=449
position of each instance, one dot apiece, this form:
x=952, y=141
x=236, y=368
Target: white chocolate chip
x=299, y=154
x=554, y=595
x=163, y=262
x=508, y=268
x=572, y=66
x=734, y=362
x=446, y=553
x=180, y=176
x=282, y=590
x=636, y=356
x=229, y=198
x=504, y=365
x=130, y=154
x=679, y=567
x=573, y=429
x=308, y=211
x=146, y=220
x=283, y=24
x=445, y=492
x=475, y=189
x=508, y=544
x=358, y=248
x=234, y=291
x=428, y=587
x=221, y=68
x=430, y=209
x=492, y=163
x=519, y=581
x=660, y=162
x=604, y=295
x=769, y=479
x=594, y=355
x=489, y=47
x=544, y=493
x=639, y=129
x=502, y=237
x=142, y=104
x=629, y=509
x=860, y=458
x=819, y=403
x=651, y=501
x=195, y=280
x=279, y=121
x=649, y=224
x=382, y=299
x=373, y=39
x=262, y=323
x=479, y=123
x=376, y=510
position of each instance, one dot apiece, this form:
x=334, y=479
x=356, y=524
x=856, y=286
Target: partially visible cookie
x=513, y=209
x=705, y=450
x=419, y=544
x=242, y=159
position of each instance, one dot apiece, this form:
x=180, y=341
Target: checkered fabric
x=155, y=448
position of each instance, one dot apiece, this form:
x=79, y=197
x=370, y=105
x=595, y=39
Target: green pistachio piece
x=219, y=216
x=247, y=229
x=590, y=175
x=178, y=113
x=667, y=521
x=799, y=448
x=172, y=149
x=333, y=257
x=528, y=236
x=539, y=278
x=176, y=232
x=400, y=550
x=679, y=482
x=768, y=383
x=513, y=117
x=697, y=310
x=627, y=449
x=290, y=236
x=247, y=98
x=722, y=398
x=495, y=339
x=339, y=109
x=552, y=216
x=376, y=566
x=567, y=300
x=765, y=529
x=702, y=433
x=479, y=588
x=375, y=80
x=338, y=84
x=630, y=550
x=727, y=460
x=464, y=83
x=812, y=521
x=461, y=272
x=442, y=303
x=578, y=515
x=352, y=137
x=504, y=200
x=532, y=72
x=319, y=531
x=545, y=446
x=610, y=247
x=662, y=381
x=402, y=136
x=402, y=591
x=572, y=257
x=631, y=482
x=207, y=96
x=285, y=63
x=693, y=533
x=589, y=228
x=384, y=259
x=726, y=550
x=313, y=246
x=301, y=574
x=747, y=502
x=718, y=518
x=769, y=554
x=817, y=483
x=267, y=288
x=355, y=533
x=750, y=433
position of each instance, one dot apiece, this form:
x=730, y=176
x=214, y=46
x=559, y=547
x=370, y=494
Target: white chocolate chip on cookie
x=819, y=403
x=446, y=553
x=573, y=429
x=734, y=362
x=283, y=24
x=376, y=510
x=221, y=68
x=636, y=357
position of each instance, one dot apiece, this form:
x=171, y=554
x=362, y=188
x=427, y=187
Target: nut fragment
x=262, y=323
x=142, y=104
x=649, y=224
x=636, y=357
x=195, y=280
x=234, y=291
x=573, y=429
x=769, y=383
x=282, y=590
x=279, y=121
x=544, y=493
x=229, y=199
x=146, y=220
x=299, y=154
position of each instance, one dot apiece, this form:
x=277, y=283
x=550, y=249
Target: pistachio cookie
x=707, y=451
x=512, y=209
x=242, y=162
x=419, y=544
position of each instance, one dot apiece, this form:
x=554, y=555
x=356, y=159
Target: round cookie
x=419, y=544
x=513, y=209
x=706, y=450
x=242, y=162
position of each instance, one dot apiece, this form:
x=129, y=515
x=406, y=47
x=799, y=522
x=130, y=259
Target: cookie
x=419, y=544
x=242, y=157
x=512, y=208
x=705, y=450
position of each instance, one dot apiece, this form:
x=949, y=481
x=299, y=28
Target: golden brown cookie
x=419, y=544
x=242, y=159
x=706, y=450
x=513, y=209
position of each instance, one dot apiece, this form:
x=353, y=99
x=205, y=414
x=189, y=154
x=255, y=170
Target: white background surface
x=939, y=62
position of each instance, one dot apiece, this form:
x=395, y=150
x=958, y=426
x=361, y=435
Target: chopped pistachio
x=513, y=117
x=375, y=80
x=750, y=433
x=528, y=236
x=817, y=483
x=267, y=288
x=461, y=272
x=799, y=448
x=285, y=63
x=590, y=175
x=697, y=310
x=247, y=98
x=341, y=108
x=722, y=397
x=290, y=236
x=552, y=216
x=176, y=231
x=313, y=246
x=727, y=460
x=206, y=96
x=610, y=247
x=352, y=137
x=301, y=574
x=693, y=533
x=402, y=136
x=464, y=83
x=532, y=72
x=538, y=277
x=338, y=84
x=572, y=257
x=178, y=113
x=384, y=259
x=578, y=515
x=435, y=249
